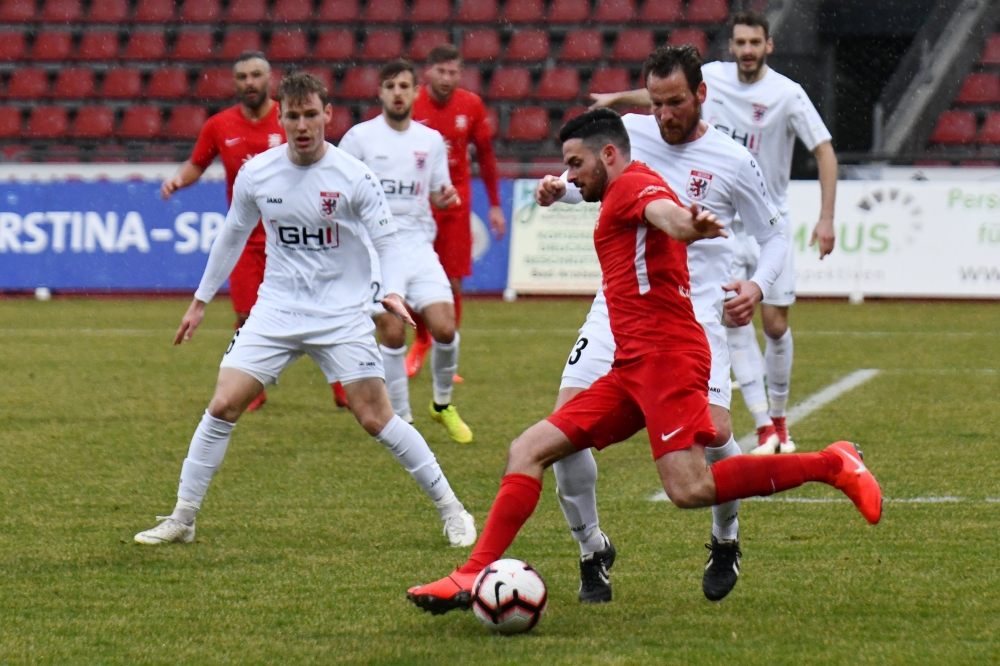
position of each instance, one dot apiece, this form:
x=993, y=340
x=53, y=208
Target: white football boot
x=460, y=529
x=168, y=531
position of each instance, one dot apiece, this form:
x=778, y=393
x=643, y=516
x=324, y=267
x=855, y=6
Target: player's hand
x=446, y=197
x=549, y=190
x=823, y=232
x=192, y=318
x=739, y=310
x=498, y=223
x=603, y=100
x=706, y=224
x=170, y=185
x=394, y=304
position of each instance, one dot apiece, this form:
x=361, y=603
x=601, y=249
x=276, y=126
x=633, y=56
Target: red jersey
x=460, y=120
x=646, y=279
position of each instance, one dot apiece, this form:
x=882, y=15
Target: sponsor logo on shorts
x=715, y=389
x=366, y=364
x=666, y=438
x=274, y=200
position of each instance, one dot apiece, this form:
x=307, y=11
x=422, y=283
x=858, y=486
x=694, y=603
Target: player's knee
x=372, y=422
x=445, y=334
x=523, y=453
x=685, y=494
x=723, y=432
x=225, y=409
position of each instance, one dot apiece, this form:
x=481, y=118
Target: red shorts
x=454, y=241
x=666, y=392
x=248, y=272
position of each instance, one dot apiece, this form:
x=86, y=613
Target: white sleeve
x=352, y=145
x=390, y=260
x=228, y=245
x=439, y=164
x=761, y=220
x=370, y=206
x=572, y=195
x=806, y=122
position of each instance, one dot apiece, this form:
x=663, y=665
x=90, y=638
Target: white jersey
x=316, y=219
x=765, y=117
x=410, y=165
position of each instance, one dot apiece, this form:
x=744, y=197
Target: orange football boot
x=258, y=402
x=856, y=481
x=439, y=597
x=415, y=356
x=339, y=397
x=767, y=441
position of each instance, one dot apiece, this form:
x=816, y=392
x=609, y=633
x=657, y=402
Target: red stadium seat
x=513, y=83
x=292, y=11
x=109, y=154
x=983, y=88
x=613, y=79
x=13, y=45
x=633, y=45
x=245, y=11
x=10, y=122
x=382, y=45
x=471, y=79
x=430, y=11
x=424, y=40
x=47, y=122
x=288, y=45
x=955, y=127
x=194, y=44
x=185, y=122
x=384, y=11
x=707, y=11
x=275, y=81
x=154, y=11
x=691, y=36
x=334, y=45
x=215, y=83
x=28, y=83
x=52, y=45
x=477, y=11
x=236, y=42
x=98, y=45
x=662, y=11
x=493, y=121
x=121, y=83
x=569, y=11
x=108, y=11
x=572, y=112
x=201, y=11
x=373, y=111
x=140, y=122
x=614, y=11
x=523, y=11
x=74, y=83
x=93, y=122
x=990, y=134
x=559, y=84
x=991, y=54
x=146, y=45
x=62, y=11
x=324, y=75
x=341, y=121
x=528, y=46
x=360, y=83
x=168, y=83
x=17, y=11
x=582, y=46
x=481, y=45
x=338, y=11
x=528, y=123
x=63, y=154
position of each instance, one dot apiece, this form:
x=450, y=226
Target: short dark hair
x=250, y=55
x=298, y=86
x=751, y=18
x=443, y=53
x=662, y=62
x=597, y=128
x=392, y=69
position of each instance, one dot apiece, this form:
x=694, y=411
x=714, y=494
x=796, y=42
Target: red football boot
x=258, y=402
x=439, y=597
x=767, y=441
x=856, y=481
x=785, y=444
x=415, y=356
x=339, y=397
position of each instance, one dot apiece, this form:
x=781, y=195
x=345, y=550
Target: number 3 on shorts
x=574, y=356
x=232, y=342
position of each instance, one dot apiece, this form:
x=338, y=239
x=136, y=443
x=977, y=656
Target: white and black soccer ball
x=509, y=597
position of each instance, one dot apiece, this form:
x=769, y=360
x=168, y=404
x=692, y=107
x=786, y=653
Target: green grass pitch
x=311, y=533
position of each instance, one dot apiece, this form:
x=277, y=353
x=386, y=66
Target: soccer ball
x=509, y=597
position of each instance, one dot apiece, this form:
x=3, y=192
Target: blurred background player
x=460, y=117
x=411, y=162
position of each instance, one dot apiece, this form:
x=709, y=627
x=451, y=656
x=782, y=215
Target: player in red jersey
x=460, y=117
x=659, y=379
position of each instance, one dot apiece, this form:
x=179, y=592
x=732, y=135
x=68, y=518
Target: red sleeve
x=205, y=149
x=484, y=153
x=638, y=193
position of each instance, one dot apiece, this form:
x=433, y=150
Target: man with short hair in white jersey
x=318, y=205
x=706, y=169
x=411, y=162
x=765, y=112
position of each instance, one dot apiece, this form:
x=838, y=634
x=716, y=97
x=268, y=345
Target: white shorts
x=426, y=282
x=747, y=252
x=343, y=347
x=594, y=351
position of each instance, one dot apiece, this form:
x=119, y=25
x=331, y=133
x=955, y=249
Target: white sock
x=397, y=384
x=208, y=448
x=748, y=366
x=778, y=359
x=409, y=448
x=576, y=488
x=725, y=524
x=444, y=364
x=593, y=543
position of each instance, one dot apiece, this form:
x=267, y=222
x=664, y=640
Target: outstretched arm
x=638, y=97
x=186, y=175
x=685, y=225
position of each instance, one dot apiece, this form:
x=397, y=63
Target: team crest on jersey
x=758, y=113
x=461, y=122
x=421, y=159
x=328, y=204
x=274, y=140
x=699, y=183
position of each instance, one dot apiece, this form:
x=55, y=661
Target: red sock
x=750, y=476
x=515, y=502
x=458, y=314
x=423, y=336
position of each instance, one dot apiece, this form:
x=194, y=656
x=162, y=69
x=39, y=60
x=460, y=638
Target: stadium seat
x=108, y=11
x=215, y=83
x=324, y=75
x=121, y=83
x=384, y=11
x=109, y=154
x=614, y=11
x=430, y=11
x=471, y=79
x=582, y=46
x=98, y=45
x=990, y=134
x=477, y=11
x=528, y=123
x=140, y=122
x=194, y=44
x=613, y=79
x=168, y=83
x=382, y=45
x=480, y=45
x=147, y=44
x=424, y=40
x=292, y=11
x=661, y=11
x=275, y=81
x=528, y=46
x=185, y=122
x=513, y=83
x=572, y=112
x=47, y=122
x=493, y=120
x=93, y=122
x=287, y=45
x=74, y=83
x=559, y=84
x=52, y=45
x=568, y=11
x=154, y=11
x=201, y=11
x=372, y=111
x=13, y=45
x=991, y=54
x=523, y=11
x=235, y=42
x=707, y=11
x=334, y=45
x=633, y=45
x=509, y=167
x=360, y=83
x=338, y=11
x=245, y=11
x=62, y=11
x=17, y=11
x=982, y=88
x=28, y=83
x=955, y=127
x=158, y=153
x=692, y=36
x=10, y=122
x=61, y=154
x=341, y=121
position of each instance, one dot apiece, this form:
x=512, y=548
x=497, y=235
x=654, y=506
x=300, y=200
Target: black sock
x=440, y=408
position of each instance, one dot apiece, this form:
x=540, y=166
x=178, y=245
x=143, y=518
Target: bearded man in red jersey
x=460, y=117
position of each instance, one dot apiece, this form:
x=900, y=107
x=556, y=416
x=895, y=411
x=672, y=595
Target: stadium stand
x=74, y=83
x=94, y=122
x=108, y=11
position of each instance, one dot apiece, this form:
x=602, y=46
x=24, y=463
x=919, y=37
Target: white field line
x=498, y=331
x=661, y=496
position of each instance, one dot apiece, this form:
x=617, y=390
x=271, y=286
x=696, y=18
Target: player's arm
x=684, y=224
x=638, y=97
x=551, y=189
x=186, y=175
x=191, y=170
x=826, y=160
x=442, y=193
x=488, y=170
